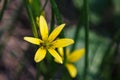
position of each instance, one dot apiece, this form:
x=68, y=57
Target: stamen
x=45, y=44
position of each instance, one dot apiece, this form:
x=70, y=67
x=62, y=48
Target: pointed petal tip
x=55, y=55
x=41, y=16
x=72, y=41
x=37, y=61
x=43, y=28
x=72, y=70
x=56, y=32
x=27, y=38
x=40, y=55
x=63, y=24
x=61, y=62
x=62, y=42
x=24, y=38
x=76, y=55
x=33, y=40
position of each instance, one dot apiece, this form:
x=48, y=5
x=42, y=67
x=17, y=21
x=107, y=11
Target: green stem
x=57, y=14
x=86, y=24
x=59, y=21
x=109, y=55
x=110, y=48
x=56, y=11
x=52, y=21
x=80, y=23
x=3, y=9
x=38, y=71
x=44, y=5
x=34, y=26
x=34, y=29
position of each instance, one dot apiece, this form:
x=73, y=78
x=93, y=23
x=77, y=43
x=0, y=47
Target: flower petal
x=33, y=40
x=62, y=42
x=67, y=52
x=61, y=52
x=43, y=28
x=71, y=69
x=55, y=55
x=55, y=32
x=57, y=61
x=75, y=55
x=40, y=54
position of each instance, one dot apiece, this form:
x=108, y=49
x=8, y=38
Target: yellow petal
x=55, y=32
x=67, y=52
x=61, y=52
x=43, y=28
x=55, y=55
x=33, y=40
x=62, y=42
x=72, y=70
x=40, y=54
x=76, y=55
x=57, y=61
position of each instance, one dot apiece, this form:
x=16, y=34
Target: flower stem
x=34, y=26
x=80, y=23
x=110, y=48
x=86, y=24
x=38, y=71
x=59, y=21
x=34, y=29
x=52, y=21
x=57, y=14
x=56, y=11
x=3, y=9
x=44, y=5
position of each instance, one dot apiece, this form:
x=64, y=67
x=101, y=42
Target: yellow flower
x=48, y=43
x=70, y=59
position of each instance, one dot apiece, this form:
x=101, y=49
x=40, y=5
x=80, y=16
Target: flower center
x=45, y=44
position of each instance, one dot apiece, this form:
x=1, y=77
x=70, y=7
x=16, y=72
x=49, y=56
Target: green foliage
x=97, y=47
